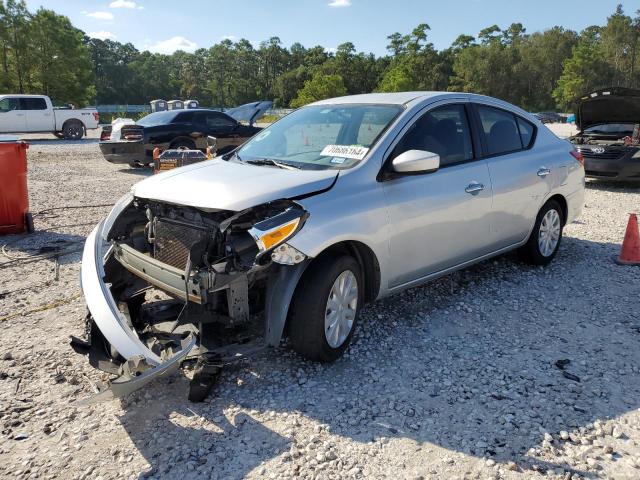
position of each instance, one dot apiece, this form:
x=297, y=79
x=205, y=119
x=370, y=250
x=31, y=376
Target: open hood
x=222, y=185
x=609, y=105
x=249, y=112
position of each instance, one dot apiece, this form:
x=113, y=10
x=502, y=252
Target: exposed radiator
x=174, y=241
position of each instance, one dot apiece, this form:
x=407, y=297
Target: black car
x=609, y=123
x=133, y=142
x=549, y=117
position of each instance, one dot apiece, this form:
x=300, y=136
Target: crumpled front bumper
x=116, y=329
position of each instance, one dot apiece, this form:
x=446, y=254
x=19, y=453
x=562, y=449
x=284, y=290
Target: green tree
x=62, y=66
x=318, y=88
x=586, y=70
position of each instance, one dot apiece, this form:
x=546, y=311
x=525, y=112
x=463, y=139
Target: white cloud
x=123, y=4
x=102, y=35
x=340, y=3
x=100, y=15
x=173, y=44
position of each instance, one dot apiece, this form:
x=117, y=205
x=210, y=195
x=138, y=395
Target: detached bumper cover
x=114, y=326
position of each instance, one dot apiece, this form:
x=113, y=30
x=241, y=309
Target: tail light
x=578, y=156
x=96, y=116
x=105, y=135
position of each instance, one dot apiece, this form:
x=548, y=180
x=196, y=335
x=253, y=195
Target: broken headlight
x=119, y=207
x=274, y=231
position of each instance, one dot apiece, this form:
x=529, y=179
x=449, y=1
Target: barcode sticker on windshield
x=344, y=151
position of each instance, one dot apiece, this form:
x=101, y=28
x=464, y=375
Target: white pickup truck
x=36, y=113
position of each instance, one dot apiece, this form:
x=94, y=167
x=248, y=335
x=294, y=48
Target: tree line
x=43, y=52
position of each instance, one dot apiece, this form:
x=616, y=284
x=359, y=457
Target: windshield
x=621, y=129
x=322, y=136
x=157, y=118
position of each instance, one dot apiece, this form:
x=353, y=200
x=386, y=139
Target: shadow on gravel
x=58, y=141
x=486, y=362
x=142, y=172
x=619, y=186
x=18, y=248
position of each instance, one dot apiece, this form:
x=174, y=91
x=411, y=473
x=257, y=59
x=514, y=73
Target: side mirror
x=416, y=161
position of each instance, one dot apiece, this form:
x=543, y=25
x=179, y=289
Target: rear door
x=438, y=220
x=38, y=117
x=12, y=119
x=521, y=175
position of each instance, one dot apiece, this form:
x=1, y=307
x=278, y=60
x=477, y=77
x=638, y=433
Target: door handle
x=474, y=188
x=543, y=172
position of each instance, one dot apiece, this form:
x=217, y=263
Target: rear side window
x=500, y=130
x=33, y=104
x=185, y=117
x=526, y=132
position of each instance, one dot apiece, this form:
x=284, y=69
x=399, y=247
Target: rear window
x=157, y=118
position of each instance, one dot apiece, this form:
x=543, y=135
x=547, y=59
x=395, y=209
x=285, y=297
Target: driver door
x=223, y=127
x=438, y=220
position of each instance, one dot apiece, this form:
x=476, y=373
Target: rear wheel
x=544, y=242
x=73, y=130
x=325, y=308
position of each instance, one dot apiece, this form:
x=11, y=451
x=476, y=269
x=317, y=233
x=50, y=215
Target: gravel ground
x=498, y=371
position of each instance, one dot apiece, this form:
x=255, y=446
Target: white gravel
x=456, y=379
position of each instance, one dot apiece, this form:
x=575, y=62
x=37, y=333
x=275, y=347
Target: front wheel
x=325, y=308
x=544, y=242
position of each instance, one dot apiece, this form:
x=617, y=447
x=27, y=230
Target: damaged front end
x=167, y=283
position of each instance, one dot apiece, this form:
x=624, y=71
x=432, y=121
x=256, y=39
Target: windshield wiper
x=275, y=163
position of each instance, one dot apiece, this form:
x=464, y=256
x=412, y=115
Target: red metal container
x=14, y=196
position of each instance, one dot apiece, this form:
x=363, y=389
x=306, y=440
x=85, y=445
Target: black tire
x=73, y=130
x=183, y=143
x=136, y=165
x=306, y=323
x=531, y=252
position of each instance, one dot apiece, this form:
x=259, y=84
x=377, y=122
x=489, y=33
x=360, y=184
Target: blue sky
x=165, y=25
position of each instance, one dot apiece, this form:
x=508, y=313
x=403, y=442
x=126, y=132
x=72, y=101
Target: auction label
x=344, y=151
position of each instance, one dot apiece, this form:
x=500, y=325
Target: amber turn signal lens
x=278, y=234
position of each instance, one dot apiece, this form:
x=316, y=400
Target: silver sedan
x=340, y=203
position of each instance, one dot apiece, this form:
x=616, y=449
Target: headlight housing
x=274, y=231
x=119, y=207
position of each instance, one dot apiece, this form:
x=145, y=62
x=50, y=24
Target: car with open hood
x=609, y=123
x=132, y=143
x=339, y=203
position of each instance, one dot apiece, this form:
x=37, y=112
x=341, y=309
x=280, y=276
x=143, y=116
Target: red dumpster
x=14, y=196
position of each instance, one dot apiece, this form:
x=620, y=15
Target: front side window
x=445, y=131
x=322, y=136
x=8, y=104
x=34, y=104
x=500, y=130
